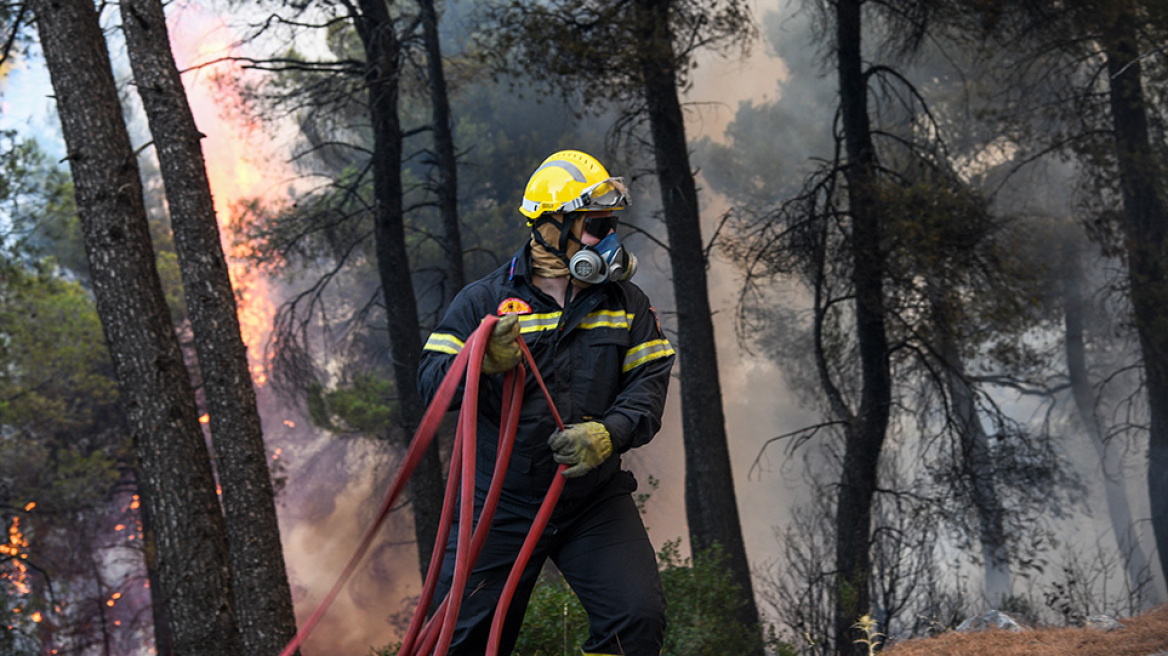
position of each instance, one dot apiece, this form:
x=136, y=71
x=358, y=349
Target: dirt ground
x=1144, y=635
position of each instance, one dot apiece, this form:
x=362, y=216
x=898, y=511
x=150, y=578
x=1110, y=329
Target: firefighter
x=597, y=342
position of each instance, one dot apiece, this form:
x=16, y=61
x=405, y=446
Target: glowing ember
x=276, y=455
x=29, y=506
x=289, y=423
x=15, y=572
x=135, y=503
x=204, y=419
x=120, y=527
x=36, y=617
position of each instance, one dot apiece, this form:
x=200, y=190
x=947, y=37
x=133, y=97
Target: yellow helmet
x=572, y=181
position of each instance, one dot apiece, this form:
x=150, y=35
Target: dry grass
x=1142, y=636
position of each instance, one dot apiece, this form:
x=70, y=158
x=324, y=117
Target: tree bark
x=711, y=506
x=262, y=594
x=174, y=475
x=382, y=70
x=444, y=159
x=1146, y=230
x=865, y=436
x=162, y=641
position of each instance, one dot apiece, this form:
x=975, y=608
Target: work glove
x=503, y=348
x=582, y=446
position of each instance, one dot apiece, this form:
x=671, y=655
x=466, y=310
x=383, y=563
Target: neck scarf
x=544, y=262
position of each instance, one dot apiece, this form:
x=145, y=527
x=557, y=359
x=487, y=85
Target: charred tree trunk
x=382, y=69
x=262, y=594
x=864, y=439
x=194, y=575
x=1146, y=229
x=1135, y=561
x=711, y=506
x=446, y=185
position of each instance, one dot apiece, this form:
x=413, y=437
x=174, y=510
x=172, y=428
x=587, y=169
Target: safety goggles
x=615, y=194
x=600, y=226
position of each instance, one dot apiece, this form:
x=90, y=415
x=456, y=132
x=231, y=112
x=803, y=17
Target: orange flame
x=232, y=151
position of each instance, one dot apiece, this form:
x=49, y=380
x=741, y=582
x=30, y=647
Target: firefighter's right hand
x=503, y=348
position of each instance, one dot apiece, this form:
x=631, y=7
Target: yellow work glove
x=583, y=446
x=503, y=348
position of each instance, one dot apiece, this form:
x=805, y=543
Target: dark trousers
x=603, y=552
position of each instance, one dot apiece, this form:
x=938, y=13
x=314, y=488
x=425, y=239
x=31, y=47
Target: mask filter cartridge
x=607, y=261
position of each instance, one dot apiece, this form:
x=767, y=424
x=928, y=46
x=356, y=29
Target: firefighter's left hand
x=503, y=348
x=581, y=446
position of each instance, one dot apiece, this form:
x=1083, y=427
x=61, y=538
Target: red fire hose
x=434, y=636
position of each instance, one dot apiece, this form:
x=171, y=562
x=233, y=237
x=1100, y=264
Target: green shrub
x=700, y=617
x=555, y=623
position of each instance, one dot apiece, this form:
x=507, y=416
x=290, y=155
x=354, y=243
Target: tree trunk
x=978, y=461
x=382, y=68
x=262, y=594
x=447, y=166
x=162, y=642
x=174, y=474
x=711, y=506
x=1082, y=391
x=1146, y=229
x=865, y=437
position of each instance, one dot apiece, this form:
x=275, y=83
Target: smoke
x=328, y=487
x=773, y=109
x=783, y=100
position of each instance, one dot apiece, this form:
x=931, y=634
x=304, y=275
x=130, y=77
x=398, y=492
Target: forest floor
x=1144, y=635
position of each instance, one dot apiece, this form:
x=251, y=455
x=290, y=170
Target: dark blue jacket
x=604, y=358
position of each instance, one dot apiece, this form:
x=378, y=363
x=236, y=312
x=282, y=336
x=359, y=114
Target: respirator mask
x=607, y=261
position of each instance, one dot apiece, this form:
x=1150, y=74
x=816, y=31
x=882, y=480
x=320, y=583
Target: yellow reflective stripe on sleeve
x=607, y=319
x=646, y=352
x=534, y=323
x=443, y=343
